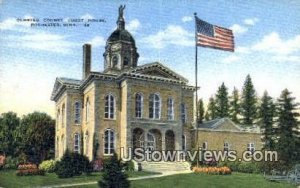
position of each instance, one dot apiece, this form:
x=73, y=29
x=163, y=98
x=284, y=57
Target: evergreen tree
x=113, y=176
x=248, y=103
x=206, y=116
x=234, y=108
x=266, y=114
x=222, y=104
x=211, y=108
x=200, y=112
x=288, y=136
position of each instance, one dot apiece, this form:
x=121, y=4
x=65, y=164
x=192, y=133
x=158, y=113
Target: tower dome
x=120, y=50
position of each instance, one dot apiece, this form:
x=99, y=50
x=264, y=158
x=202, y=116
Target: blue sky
x=267, y=38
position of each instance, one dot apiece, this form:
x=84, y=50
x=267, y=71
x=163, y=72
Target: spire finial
x=121, y=21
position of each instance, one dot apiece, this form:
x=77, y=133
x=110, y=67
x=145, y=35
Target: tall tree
x=211, y=108
x=39, y=131
x=248, y=103
x=200, y=113
x=206, y=116
x=9, y=123
x=288, y=135
x=266, y=115
x=222, y=104
x=234, y=109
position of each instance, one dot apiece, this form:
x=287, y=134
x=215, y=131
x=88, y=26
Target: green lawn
x=236, y=180
x=9, y=179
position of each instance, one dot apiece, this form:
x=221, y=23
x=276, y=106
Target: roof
x=121, y=35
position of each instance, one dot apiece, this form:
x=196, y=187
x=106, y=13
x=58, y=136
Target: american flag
x=213, y=36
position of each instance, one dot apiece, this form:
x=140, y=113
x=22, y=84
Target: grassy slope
x=9, y=179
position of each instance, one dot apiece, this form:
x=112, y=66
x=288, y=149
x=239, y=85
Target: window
x=87, y=110
x=77, y=143
x=77, y=108
x=250, y=147
x=126, y=61
x=226, y=147
x=138, y=105
x=170, y=109
x=109, y=142
x=86, y=142
x=109, y=107
x=57, y=119
x=154, y=106
x=63, y=115
x=115, y=61
x=204, y=145
x=183, y=143
x=183, y=113
x=150, y=141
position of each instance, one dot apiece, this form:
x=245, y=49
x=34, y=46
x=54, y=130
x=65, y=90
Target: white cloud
x=86, y=17
x=186, y=19
x=133, y=25
x=251, y=21
x=42, y=41
x=97, y=41
x=231, y=59
x=12, y=24
x=238, y=29
x=172, y=35
x=242, y=50
x=272, y=43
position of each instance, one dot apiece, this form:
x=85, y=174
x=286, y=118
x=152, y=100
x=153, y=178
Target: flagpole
x=196, y=82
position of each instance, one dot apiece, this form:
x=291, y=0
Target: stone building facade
x=125, y=106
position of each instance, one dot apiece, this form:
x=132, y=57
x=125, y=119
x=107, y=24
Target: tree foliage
x=266, y=115
x=9, y=125
x=200, y=113
x=234, y=106
x=287, y=133
x=113, y=176
x=222, y=104
x=211, y=108
x=248, y=103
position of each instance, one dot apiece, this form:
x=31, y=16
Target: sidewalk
x=131, y=179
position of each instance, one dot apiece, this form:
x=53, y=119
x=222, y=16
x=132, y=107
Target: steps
x=166, y=166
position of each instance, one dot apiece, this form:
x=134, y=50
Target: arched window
x=138, y=105
x=115, y=61
x=150, y=141
x=170, y=109
x=154, y=106
x=183, y=113
x=109, y=107
x=183, y=142
x=62, y=145
x=63, y=109
x=77, y=143
x=109, y=142
x=77, y=110
x=87, y=110
x=86, y=138
x=126, y=61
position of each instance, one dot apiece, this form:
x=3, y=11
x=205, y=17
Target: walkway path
x=131, y=179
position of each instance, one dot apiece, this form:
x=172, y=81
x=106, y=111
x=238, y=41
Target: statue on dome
x=121, y=10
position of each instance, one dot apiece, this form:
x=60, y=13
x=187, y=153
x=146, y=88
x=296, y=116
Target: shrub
x=113, y=175
x=10, y=163
x=212, y=170
x=72, y=164
x=29, y=170
x=129, y=166
x=245, y=167
x=48, y=166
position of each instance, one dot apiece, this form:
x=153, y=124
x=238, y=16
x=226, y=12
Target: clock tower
x=120, y=50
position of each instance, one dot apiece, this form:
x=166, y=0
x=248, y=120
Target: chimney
x=87, y=56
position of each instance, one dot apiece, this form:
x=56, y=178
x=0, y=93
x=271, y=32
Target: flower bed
x=29, y=170
x=213, y=170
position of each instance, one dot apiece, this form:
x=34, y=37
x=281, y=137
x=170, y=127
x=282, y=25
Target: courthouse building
x=134, y=106
x=126, y=105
